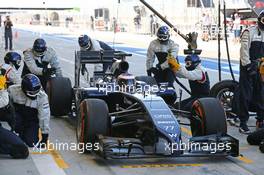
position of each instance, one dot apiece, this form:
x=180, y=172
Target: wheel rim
x=226, y=97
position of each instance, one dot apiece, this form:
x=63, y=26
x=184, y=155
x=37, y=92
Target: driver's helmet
x=39, y=47
x=126, y=82
x=192, y=61
x=13, y=58
x=163, y=34
x=85, y=42
x=31, y=86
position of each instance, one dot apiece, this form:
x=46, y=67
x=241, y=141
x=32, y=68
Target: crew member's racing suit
x=97, y=45
x=40, y=65
x=251, y=88
x=162, y=73
x=11, y=74
x=30, y=115
x=198, y=80
x=7, y=113
x=11, y=144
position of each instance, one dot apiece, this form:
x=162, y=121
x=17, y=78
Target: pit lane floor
x=71, y=162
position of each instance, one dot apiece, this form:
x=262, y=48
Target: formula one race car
x=139, y=123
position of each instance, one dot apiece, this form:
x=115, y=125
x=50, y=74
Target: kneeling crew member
x=7, y=112
x=41, y=61
x=32, y=110
x=10, y=68
x=196, y=74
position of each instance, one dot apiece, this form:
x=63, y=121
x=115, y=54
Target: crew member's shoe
x=259, y=125
x=244, y=128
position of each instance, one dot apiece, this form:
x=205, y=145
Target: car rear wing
x=95, y=57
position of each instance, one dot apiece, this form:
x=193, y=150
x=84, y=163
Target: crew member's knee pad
x=256, y=137
x=19, y=151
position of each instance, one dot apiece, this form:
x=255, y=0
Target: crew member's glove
x=152, y=70
x=48, y=71
x=252, y=68
x=2, y=79
x=164, y=65
x=2, y=82
x=83, y=69
x=174, y=65
x=44, y=141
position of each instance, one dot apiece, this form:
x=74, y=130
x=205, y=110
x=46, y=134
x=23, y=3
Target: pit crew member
x=10, y=68
x=41, y=61
x=32, y=110
x=162, y=44
x=251, y=87
x=196, y=74
x=7, y=112
x=87, y=43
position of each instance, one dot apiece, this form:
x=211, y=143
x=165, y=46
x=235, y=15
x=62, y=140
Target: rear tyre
x=224, y=91
x=147, y=79
x=92, y=119
x=208, y=117
x=60, y=95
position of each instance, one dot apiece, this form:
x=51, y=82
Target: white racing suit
x=4, y=98
x=7, y=111
x=163, y=74
x=30, y=114
x=250, y=93
x=95, y=46
x=35, y=65
x=11, y=74
x=199, y=84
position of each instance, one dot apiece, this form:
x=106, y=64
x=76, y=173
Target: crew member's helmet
x=163, y=34
x=85, y=42
x=261, y=20
x=13, y=58
x=39, y=47
x=192, y=61
x=31, y=86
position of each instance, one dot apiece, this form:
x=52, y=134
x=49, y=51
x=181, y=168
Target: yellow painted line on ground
x=186, y=131
x=55, y=154
x=58, y=159
x=160, y=165
x=245, y=159
x=241, y=158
